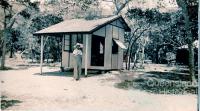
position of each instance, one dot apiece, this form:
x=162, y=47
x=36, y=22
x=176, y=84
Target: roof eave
x=127, y=29
x=56, y=33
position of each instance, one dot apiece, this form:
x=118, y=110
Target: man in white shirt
x=77, y=61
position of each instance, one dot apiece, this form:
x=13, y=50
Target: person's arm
x=79, y=52
x=75, y=52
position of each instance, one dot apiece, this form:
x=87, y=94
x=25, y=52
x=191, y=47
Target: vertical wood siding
x=108, y=48
x=111, y=61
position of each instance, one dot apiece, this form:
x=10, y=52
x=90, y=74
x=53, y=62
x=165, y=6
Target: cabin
x=102, y=39
x=182, y=54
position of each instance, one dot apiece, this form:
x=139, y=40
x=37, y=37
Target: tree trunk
x=4, y=49
x=191, y=63
x=11, y=51
x=190, y=46
x=135, y=57
x=126, y=59
x=184, y=6
x=142, y=58
x=129, y=61
x=32, y=55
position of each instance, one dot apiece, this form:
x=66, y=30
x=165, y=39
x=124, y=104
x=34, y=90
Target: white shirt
x=77, y=52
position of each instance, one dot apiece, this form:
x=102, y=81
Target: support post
x=86, y=54
x=41, y=54
x=198, y=104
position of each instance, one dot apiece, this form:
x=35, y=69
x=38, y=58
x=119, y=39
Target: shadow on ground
x=168, y=75
x=66, y=74
x=6, y=68
x=160, y=83
x=6, y=103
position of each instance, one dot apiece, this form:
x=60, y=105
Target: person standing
x=77, y=61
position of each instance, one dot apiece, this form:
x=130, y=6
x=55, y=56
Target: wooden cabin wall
x=89, y=50
x=108, y=48
x=111, y=31
x=120, y=54
x=67, y=56
x=115, y=59
x=73, y=40
x=101, y=32
x=117, y=33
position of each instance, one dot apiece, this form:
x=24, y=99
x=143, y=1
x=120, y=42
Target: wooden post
x=86, y=54
x=198, y=60
x=41, y=54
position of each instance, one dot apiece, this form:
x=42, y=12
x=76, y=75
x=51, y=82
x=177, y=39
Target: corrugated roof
x=79, y=25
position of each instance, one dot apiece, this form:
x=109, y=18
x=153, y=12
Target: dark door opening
x=97, y=52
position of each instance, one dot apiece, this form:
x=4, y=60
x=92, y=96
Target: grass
x=5, y=103
x=161, y=83
x=157, y=86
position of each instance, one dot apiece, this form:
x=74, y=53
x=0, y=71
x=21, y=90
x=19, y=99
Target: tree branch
x=120, y=7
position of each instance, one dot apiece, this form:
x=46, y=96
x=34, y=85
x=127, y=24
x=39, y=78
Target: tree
x=8, y=23
x=186, y=5
x=145, y=22
x=69, y=9
x=42, y=21
x=1, y=42
x=9, y=20
x=120, y=5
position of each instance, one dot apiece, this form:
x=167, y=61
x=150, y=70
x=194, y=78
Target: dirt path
x=58, y=91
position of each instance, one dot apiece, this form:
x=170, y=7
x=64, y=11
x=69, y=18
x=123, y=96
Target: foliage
x=31, y=43
x=31, y=19
x=85, y=4
x=92, y=14
x=42, y=21
x=4, y=4
x=150, y=15
x=165, y=35
x=8, y=22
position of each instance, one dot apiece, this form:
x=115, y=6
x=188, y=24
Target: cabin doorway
x=97, y=51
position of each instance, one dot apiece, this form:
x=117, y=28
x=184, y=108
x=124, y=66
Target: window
x=114, y=47
x=71, y=40
x=79, y=38
x=67, y=43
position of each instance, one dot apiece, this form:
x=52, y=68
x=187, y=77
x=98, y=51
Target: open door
x=97, y=52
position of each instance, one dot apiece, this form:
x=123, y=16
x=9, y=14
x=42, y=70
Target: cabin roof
x=81, y=26
x=195, y=43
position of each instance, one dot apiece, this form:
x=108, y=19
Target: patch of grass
x=160, y=86
x=6, y=68
x=3, y=97
x=124, y=85
x=8, y=103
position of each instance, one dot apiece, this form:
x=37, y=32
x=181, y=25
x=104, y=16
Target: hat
x=78, y=45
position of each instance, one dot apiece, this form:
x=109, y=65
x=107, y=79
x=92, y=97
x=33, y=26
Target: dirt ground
x=59, y=91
